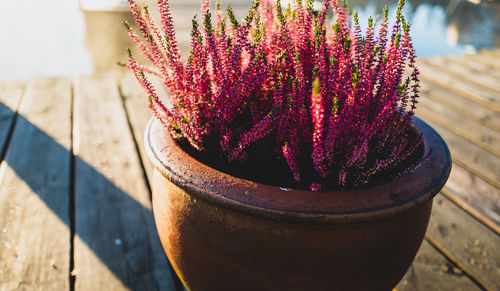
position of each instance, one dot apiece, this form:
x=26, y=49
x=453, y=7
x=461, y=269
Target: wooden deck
x=75, y=209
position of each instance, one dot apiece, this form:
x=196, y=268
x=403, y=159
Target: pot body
x=220, y=241
x=214, y=248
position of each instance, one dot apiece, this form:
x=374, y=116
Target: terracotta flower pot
x=225, y=233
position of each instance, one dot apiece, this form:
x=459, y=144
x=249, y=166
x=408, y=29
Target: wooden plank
x=116, y=244
x=470, y=243
x=469, y=129
x=476, y=193
x=463, y=105
x=494, y=52
x=10, y=97
x=476, y=93
x=135, y=101
x=35, y=234
x=476, y=67
x=138, y=114
x=464, y=73
x=484, y=59
x=470, y=156
x=432, y=271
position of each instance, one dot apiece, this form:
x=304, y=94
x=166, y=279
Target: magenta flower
x=332, y=104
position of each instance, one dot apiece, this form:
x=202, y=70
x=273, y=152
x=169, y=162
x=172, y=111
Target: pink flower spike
x=328, y=101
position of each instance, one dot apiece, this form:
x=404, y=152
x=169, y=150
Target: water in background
x=67, y=37
x=444, y=27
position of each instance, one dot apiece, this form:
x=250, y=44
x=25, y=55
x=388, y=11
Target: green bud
x=252, y=11
x=397, y=40
x=315, y=86
x=335, y=105
x=223, y=24
x=279, y=12
x=355, y=16
x=126, y=24
x=232, y=18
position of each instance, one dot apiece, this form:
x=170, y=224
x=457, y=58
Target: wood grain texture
x=477, y=67
x=432, y=271
x=493, y=52
x=476, y=93
x=471, y=243
x=475, y=192
x=460, y=104
x=116, y=244
x=455, y=122
x=486, y=59
x=10, y=95
x=463, y=73
x=135, y=101
x=470, y=156
x=35, y=191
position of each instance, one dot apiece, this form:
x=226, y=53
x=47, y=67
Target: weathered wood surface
x=462, y=105
x=116, y=245
x=35, y=191
x=432, y=271
x=486, y=59
x=138, y=112
x=473, y=131
x=10, y=96
x=475, y=193
x=459, y=71
x=461, y=96
x=462, y=87
x=473, y=246
x=470, y=156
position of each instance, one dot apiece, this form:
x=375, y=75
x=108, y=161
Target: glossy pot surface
x=225, y=233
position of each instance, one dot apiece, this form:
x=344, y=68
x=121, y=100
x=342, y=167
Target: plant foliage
x=331, y=102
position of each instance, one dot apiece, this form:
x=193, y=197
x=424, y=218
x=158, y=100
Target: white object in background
x=103, y=5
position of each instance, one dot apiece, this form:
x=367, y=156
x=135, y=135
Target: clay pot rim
x=348, y=206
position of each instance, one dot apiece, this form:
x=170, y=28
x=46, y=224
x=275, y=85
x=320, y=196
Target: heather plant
x=330, y=102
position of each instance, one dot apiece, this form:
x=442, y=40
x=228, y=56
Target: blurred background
x=52, y=38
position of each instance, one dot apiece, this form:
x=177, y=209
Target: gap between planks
x=471, y=211
x=456, y=262
x=467, y=242
x=463, y=105
x=477, y=94
x=41, y=187
x=136, y=141
x=431, y=270
x=72, y=217
x=462, y=72
x=485, y=59
x=125, y=251
x=482, y=163
x=135, y=106
x=469, y=129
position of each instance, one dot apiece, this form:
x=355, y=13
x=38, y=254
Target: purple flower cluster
x=333, y=104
